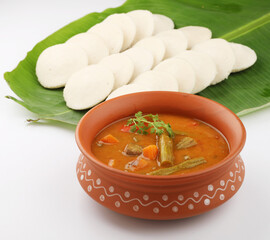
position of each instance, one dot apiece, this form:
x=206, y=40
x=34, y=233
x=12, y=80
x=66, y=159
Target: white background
x=40, y=197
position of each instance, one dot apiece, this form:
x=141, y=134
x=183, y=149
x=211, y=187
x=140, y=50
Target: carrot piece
x=141, y=164
x=136, y=164
x=109, y=139
x=150, y=152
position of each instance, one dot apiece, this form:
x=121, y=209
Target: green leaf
x=152, y=130
x=169, y=130
x=159, y=124
x=155, y=117
x=242, y=21
x=159, y=131
x=129, y=121
x=133, y=128
x=138, y=114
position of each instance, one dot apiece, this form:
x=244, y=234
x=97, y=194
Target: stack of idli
x=135, y=52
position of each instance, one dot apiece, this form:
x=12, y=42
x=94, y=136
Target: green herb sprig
x=141, y=123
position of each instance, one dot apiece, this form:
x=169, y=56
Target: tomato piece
x=125, y=128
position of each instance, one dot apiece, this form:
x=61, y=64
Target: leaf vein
x=259, y=22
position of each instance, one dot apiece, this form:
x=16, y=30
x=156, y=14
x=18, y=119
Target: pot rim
x=200, y=173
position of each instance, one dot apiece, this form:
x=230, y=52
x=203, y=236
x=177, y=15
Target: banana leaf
x=242, y=21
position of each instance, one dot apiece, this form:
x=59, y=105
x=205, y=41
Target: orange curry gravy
x=210, y=144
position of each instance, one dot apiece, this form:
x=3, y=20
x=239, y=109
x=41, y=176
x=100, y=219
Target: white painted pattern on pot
x=175, y=209
x=207, y=201
x=165, y=197
x=196, y=194
x=156, y=210
x=222, y=183
x=117, y=204
x=190, y=206
x=145, y=197
x=221, y=197
x=205, y=197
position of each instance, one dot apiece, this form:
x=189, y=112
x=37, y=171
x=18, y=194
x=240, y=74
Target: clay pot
x=161, y=197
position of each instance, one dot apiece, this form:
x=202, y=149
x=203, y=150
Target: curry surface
x=210, y=144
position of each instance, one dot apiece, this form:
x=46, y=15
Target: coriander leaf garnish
x=141, y=123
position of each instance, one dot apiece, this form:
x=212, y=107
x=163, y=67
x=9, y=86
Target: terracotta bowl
x=161, y=197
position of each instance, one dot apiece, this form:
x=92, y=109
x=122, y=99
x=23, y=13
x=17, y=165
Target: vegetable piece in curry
x=163, y=144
